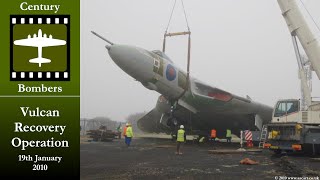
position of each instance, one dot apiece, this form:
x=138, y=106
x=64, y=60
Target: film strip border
x=39, y=20
x=40, y=75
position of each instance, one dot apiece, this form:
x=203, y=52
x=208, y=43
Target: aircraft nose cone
x=121, y=55
x=131, y=60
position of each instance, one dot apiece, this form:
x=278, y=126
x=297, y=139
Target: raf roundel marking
x=171, y=72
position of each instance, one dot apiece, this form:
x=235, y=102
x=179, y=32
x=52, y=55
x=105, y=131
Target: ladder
x=263, y=136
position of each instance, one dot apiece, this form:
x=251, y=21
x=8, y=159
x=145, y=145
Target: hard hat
x=181, y=126
x=127, y=124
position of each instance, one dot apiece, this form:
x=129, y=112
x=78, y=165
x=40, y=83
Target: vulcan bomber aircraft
x=185, y=100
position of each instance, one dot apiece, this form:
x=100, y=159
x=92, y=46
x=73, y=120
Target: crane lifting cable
x=188, y=32
x=304, y=6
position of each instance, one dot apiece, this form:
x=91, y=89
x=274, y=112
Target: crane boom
x=298, y=27
x=293, y=127
x=306, y=91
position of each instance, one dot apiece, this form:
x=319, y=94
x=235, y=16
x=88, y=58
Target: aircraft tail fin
x=40, y=60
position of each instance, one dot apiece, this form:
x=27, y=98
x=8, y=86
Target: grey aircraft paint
x=200, y=109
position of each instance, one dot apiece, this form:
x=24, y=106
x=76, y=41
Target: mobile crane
x=295, y=124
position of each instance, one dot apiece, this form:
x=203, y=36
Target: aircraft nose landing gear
x=172, y=121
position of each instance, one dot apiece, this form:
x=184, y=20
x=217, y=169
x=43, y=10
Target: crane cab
x=286, y=111
x=289, y=111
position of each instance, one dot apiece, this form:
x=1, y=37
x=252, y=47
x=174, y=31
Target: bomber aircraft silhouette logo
x=39, y=41
x=40, y=48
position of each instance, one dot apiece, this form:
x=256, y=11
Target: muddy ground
x=154, y=158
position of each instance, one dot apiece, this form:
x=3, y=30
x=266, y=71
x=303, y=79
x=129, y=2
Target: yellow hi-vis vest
x=180, y=136
x=228, y=133
x=129, y=132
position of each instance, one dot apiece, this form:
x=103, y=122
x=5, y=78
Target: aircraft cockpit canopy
x=161, y=54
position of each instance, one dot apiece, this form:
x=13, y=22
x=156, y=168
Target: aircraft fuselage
x=201, y=107
x=148, y=67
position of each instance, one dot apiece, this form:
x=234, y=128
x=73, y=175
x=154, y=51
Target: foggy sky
x=242, y=46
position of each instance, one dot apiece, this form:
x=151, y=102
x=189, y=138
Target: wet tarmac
x=155, y=158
